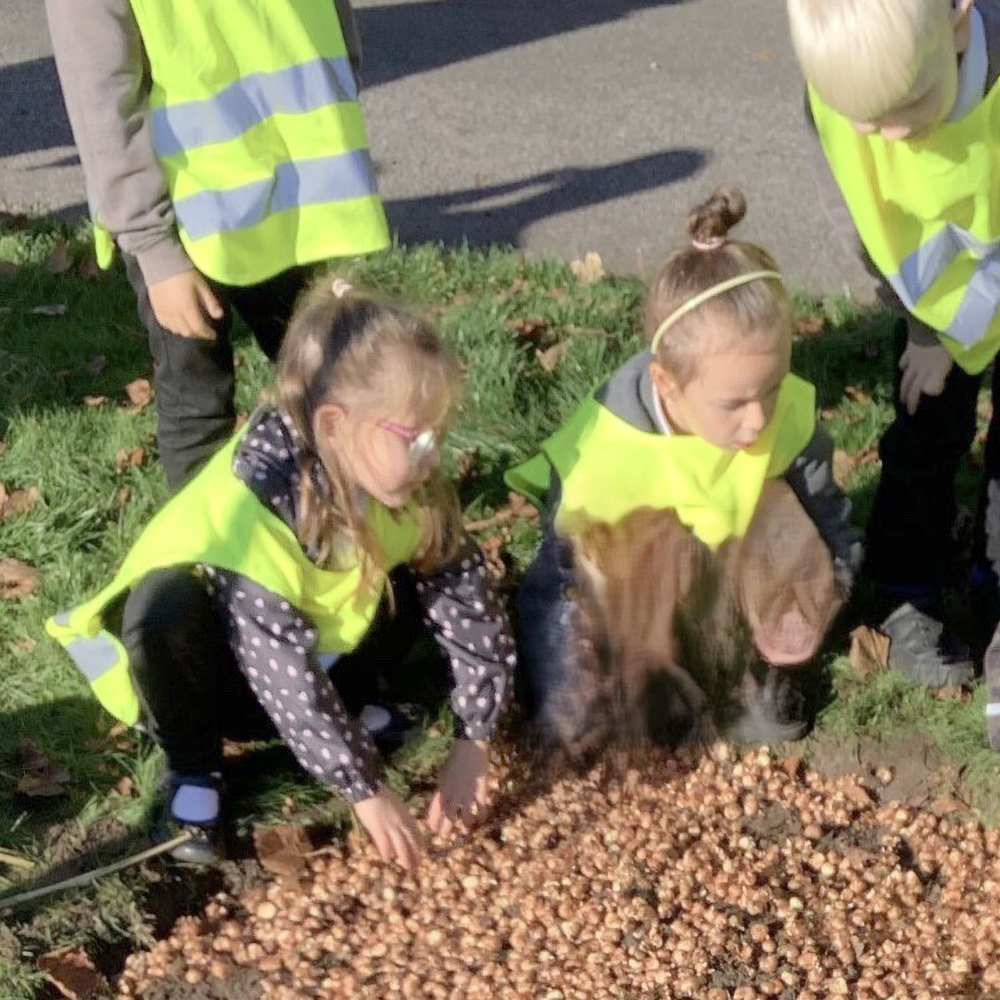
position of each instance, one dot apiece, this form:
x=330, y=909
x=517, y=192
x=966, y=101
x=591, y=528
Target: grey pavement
x=558, y=126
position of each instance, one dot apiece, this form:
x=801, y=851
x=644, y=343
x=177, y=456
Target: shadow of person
x=500, y=213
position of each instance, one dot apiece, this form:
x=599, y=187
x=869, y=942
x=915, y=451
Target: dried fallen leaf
x=130, y=459
x=869, y=650
x=72, y=972
x=495, y=565
x=125, y=787
x=60, y=260
x=17, y=579
x=94, y=400
x=858, y=395
x=591, y=268
x=282, y=849
x=528, y=328
x=517, y=508
x=810, y=325
x=18, y=502
x=97, y=364
x=53, y=310
x=123, y=496
x=140, y=394
x=962, y=694
x=43, y=777
x=944, y=804
x=843, y=466
x=551, y=356
x=465, y=464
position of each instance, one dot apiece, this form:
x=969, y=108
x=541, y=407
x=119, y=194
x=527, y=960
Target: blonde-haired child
x=258, y=596
x=903, y=98
x=651, y=485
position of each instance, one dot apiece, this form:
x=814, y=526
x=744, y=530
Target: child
x=688, y=433
x=265, y=572
x=903, y=97
x=224, y=148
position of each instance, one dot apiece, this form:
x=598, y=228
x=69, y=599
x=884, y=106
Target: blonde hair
x=863, y=56
x=755, y=307
x=343, y=345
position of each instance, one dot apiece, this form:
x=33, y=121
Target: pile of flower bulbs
x=701, y=875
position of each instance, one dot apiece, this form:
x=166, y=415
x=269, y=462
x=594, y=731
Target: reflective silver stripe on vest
x=305, y=182
x=251, y=100
x=924, y=266
x=94, y=655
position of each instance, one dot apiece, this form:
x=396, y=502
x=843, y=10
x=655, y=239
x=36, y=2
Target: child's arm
x=811, y=478
x=99, y=56
x=470, y=624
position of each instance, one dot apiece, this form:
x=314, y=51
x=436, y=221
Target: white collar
x=972, y=69
x=660, y=418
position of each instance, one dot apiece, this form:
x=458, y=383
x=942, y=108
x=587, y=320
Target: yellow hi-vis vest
x=928, y=213
x=257, y=127
x=216, y=520
x=609, y=468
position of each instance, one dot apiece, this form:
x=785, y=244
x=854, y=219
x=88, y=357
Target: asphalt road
x=559, y=126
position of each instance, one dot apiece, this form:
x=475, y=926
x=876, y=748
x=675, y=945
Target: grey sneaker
x=773, y=708
x=919, y=648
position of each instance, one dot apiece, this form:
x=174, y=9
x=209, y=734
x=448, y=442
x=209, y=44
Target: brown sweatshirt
x=105, y=81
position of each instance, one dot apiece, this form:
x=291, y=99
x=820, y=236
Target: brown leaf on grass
x=962, y=694
x=809, y=326
x=130, y=459
x=94, y=400
x=945, y=804
x=591, y=268
x=43, y=777
x=843, y=466
x=53, y=310
x=18, y=502
x=492, y=548
x=528, y=328
x=17, y=579
x=282, y=849
x=125, y=787
x=61, y=258
x=465, y=465
x=123, y=496
x=91, y=270
x=72, y=972
x=549, y=358
x=140, y=394
x=517, y=508
x=97, y=364
x=869, y=652
x=858, y=395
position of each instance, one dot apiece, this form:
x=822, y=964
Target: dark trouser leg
x=194, y=382
x=266, y=308
x=910, y=530
x=991, y=471
x=188, y=682
x=560, y=693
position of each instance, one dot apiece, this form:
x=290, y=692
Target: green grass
x=498, y=309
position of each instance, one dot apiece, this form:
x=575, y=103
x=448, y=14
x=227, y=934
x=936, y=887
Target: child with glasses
x=309, y=553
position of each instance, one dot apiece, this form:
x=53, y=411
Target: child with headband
x=689, y=504
x=265, y=599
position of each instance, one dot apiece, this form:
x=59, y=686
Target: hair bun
x=712, y=219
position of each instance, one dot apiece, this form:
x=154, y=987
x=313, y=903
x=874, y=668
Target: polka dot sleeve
x=274, y=646
x=468, y=620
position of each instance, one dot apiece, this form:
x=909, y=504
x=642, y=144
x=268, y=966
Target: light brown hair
x=758, y=306
x=351, y=348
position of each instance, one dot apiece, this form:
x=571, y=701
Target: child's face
x=733, y=392
x=932, y=96
x=387, y=455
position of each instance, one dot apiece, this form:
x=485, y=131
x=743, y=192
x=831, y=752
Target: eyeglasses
x=422, y=444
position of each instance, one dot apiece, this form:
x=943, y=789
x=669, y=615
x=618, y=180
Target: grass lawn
x=70, y=431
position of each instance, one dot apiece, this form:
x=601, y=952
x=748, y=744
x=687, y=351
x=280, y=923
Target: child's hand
x=183, y=303
x=391, y=827
x=925, y=369
x=462, y=790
